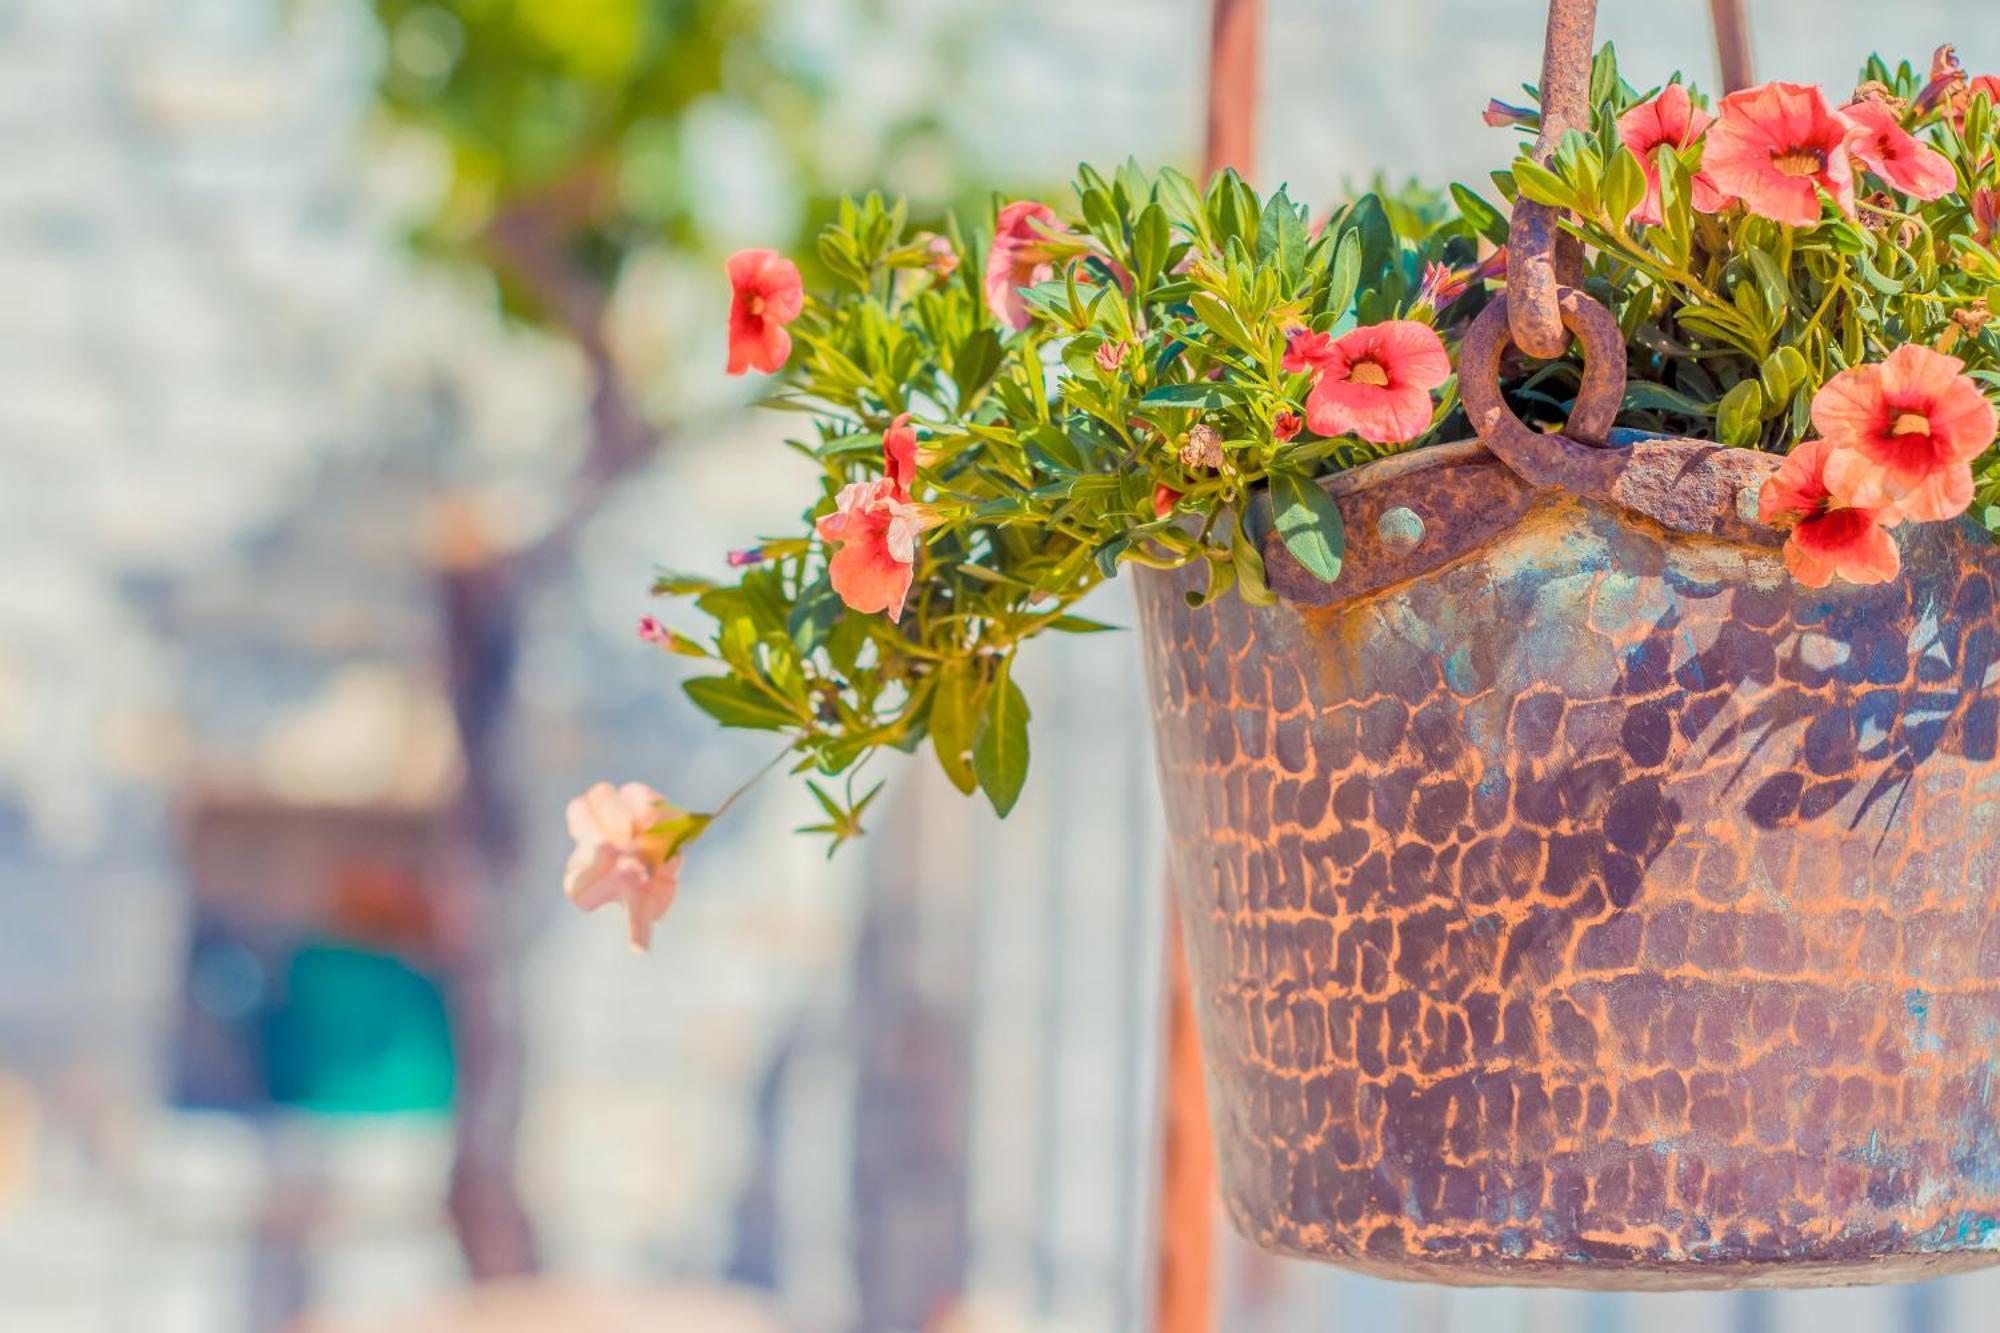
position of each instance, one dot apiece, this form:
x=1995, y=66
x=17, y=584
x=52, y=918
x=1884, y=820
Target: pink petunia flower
x=653, y=632
x=899, y=454
x=1165, y=498
x=1775, y=147
x=743, y=557
x=1020, y=257
x=1669, y=118
x=1881, y=144
x=618, y=859
x=875, y=532
x=767, y=295
x=1376, y=382
x=1830, y=536
x=1909, y=427
x=1499, y=114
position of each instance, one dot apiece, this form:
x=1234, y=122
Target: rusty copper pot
x=1574, y=898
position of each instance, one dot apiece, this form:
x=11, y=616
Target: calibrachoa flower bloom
x=1285, y=426
x=768, y=296
x=1908, y=428
x=1165, y=498
x=1375, y=382
x=652, y=631
x=1775, y=147
x=1499, y=114
x=1020, y=257
x=1881, y=144
x=617, y=859
x=1670, y=118
x=1830, y=536
x=899, y=454
x=944, y=259
x=1305, y=350
x=746, y=556
x=876, y=531
x=1111, y=355
x=1440, y=286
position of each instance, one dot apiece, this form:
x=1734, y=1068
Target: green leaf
x=1644, y=396
x=1481, y=216
x=1281, y=237
x=1739, y=416
x=1540, y=185
x=1248, y=563
x=1309, y=522
x=737, y=703
x=954, y=723
x=1183, y=200
x=1151, y=236
x=1223, y=321
x=1000, y=755
x=1201, y=393
x=1069, y=624
x=1343, y=277
x=977, y=360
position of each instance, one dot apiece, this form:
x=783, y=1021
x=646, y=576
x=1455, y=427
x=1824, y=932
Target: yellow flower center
x=1367, y=372
x=754, y=303
x=1911, y=423
x=1800, y=162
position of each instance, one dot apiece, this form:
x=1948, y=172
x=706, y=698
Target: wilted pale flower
x=1203, y=447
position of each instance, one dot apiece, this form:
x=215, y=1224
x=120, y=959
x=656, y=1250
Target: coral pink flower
x=1440, y=286
x=1306, y=350
x=1985, y=213
x=768, y=296
x=653, y=632
x=899, y=454
x=1909, y=427
x=618, y=859
x=1285, y=426
x=1020, y=257
x=1376, y=382
x=876, y=532
x=1829, y=536
x=1775, y=147
x=1112, y=355
x=1881, y=144
x=1499, y=114
x=1988, y=84
x=1946, y=86
x=1670, y=118
x=1165, y=498
x=944, y=259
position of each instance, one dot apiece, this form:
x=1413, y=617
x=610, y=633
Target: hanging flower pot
x=1584, y=832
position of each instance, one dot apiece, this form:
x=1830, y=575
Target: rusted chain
x=1535, y=456
x=1540, y=257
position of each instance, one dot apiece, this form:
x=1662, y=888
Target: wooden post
x=1732, y=43
x=1233, y=65
x=1184, y=1291
x=1185, y=1280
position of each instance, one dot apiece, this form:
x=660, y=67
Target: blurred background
x=359, y=360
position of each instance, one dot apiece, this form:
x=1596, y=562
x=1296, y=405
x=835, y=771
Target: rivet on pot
x=1746, y=501
x=1400, y=529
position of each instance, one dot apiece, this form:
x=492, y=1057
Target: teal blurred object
x=356, y=1032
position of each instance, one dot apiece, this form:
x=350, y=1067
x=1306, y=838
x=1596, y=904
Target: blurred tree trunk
x=483, y=582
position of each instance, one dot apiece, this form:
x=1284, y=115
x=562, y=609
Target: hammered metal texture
x=1598, y=908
